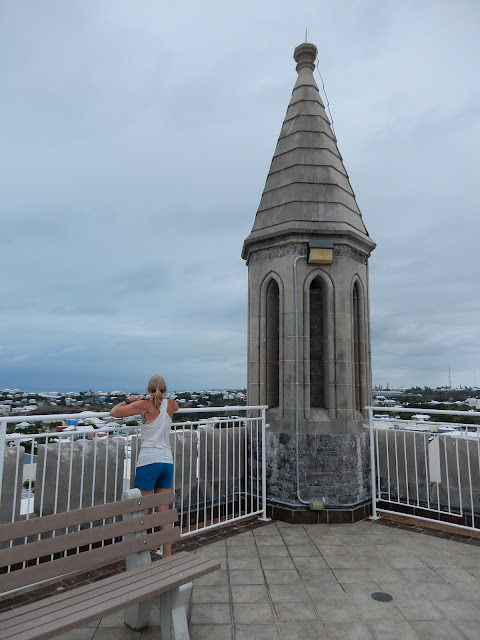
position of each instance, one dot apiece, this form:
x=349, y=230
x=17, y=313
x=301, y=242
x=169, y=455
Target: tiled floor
x=284, y=581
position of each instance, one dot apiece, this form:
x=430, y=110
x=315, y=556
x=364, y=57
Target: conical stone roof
x=307, y=191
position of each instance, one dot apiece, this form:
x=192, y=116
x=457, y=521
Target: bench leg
x=138, y=615
x=173, y=607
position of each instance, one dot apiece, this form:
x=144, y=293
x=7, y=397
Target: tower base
x=304, y=515
x=332, y=468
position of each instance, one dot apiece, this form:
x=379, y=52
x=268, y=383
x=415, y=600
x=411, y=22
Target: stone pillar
x=11, y=484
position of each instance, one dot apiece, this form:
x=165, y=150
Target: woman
x=155, y=462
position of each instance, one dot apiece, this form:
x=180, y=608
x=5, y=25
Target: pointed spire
x=307, y=189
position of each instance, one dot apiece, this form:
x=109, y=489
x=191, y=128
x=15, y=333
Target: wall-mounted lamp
x=320, y=252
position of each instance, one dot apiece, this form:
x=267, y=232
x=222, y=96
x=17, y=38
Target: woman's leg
x=162, y=476
x=167, y=548
x=144, y=476
x=146, y=492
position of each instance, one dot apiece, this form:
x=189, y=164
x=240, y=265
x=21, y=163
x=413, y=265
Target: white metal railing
x=427, y=469
x=219, y=466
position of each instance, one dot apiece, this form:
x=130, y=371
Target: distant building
x=473, y=402
x=5, y=409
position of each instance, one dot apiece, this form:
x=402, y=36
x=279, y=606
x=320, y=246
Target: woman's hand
x=134, y=398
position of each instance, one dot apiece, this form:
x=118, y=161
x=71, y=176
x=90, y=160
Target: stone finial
x=305, y=55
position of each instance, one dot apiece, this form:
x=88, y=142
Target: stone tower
x=308, y=311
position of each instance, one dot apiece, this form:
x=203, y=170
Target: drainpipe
x=370, y=399
x=328, y=505
x=3, y=437
x=297, y=379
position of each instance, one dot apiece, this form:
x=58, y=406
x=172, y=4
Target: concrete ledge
x=435, y=516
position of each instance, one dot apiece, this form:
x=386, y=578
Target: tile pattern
x=314, y=581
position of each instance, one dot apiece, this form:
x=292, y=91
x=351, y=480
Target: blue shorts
x=158, y=475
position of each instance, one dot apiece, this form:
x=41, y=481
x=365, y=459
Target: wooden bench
x=40, y=550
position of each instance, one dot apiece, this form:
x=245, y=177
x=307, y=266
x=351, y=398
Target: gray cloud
x=136, y=142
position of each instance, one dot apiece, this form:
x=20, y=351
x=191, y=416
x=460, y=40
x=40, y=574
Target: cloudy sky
x=136, y=138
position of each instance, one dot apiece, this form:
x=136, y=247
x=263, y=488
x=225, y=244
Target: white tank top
x=156, y=439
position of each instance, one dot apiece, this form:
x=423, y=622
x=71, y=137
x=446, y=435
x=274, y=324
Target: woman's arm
x=135, y=407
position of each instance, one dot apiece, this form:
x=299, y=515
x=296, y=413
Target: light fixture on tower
x=320, y=252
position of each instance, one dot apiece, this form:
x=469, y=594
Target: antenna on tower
x=449, y=378
x=305, y=35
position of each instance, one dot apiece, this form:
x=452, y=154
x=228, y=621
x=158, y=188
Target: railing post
x=264, y=470
x=372, y=465
x=3, y=437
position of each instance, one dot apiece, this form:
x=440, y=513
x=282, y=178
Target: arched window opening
x=317, y=344
x=356, y=347
x=273, y=343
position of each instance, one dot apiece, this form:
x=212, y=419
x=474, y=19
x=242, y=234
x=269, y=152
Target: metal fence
x=219, y=466
x=427, y=469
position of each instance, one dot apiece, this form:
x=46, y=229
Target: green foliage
x=33, y=428
x=27, y=446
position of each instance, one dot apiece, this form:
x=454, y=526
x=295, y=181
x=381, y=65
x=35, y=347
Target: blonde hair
x=156, y=387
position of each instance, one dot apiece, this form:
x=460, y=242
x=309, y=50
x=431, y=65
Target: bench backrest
x=51, y=546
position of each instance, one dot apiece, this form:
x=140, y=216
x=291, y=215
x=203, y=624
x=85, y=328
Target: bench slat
x=50, y=546
x=49, y=604
x=87, y=611
x=75, y=610
x=61, y=566
x=65, y=519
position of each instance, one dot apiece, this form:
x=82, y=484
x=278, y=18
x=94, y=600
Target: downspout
x=3, y=437
x=370, y=375
x=336, y=506
x=297, y=380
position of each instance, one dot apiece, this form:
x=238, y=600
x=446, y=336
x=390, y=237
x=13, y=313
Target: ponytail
x=156, y=388
x=157, y=398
